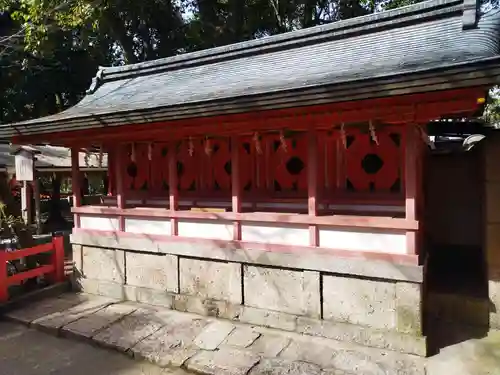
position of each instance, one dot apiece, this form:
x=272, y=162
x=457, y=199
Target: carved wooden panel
x=288, y=161
x=189, y=165
x=370, y=166
x=159, y=167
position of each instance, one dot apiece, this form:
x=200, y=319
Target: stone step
x=204, y=345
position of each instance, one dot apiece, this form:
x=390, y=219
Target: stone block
x=171, y=345
x=206, y=307
x=409, y=308
x=364, y=336
x=42, y=308
x=104, y=264
x=102, y=288
x=88, y=326
x=153, y=271
x=268, y=318
x=127, y=332
x=59, y=319
x=148, y=296
x=292, y=292
x=269, y=345
x=310, y=351
x=242, y=337
x=494, y=294
x=77, y=258
x=226, y=361
x=213, y=335
x=211, y=280
x=358, y=301
x=278, y=366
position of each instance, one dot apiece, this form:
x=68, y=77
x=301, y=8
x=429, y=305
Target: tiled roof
x=437, y=44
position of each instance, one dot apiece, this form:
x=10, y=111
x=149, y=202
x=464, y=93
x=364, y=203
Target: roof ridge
x=339, y=29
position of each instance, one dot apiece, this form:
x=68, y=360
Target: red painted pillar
x=57, y=258
x=4, y=291
x=172, y=185
x=236, y=185
x=76, y=182
x=411, y=188
x=312, y=184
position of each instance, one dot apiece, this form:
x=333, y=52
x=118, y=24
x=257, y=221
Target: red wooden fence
x=54, y=270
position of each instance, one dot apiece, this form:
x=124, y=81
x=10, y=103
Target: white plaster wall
x=148, y=226
x=205, y=229
x=285, y=234
x=362, y=241
x=99, y=223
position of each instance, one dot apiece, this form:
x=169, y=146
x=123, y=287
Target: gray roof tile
x=421, y=38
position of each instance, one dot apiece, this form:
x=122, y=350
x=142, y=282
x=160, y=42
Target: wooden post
x=38, y=211
x=312, y=184
x=411, y=189
x=26, y=203
x=111, y=172
x=236, y=185
x=120, y=191
x=172, y=185
x=58, y=258
x=76, y=182
x=4, y=290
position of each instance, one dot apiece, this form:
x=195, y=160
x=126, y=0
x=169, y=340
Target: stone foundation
x=269, y=290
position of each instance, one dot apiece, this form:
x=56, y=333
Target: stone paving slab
x=88, y=326
x=242, y=337
x=171, y=345
x=128, y=331
x=39, y=309
x=284, y=366
x=213, y=335
x=59, y=319
x=225, y=361
x=207, y=345
x=269, y=345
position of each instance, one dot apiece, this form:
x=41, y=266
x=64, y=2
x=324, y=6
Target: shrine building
x=279, y=181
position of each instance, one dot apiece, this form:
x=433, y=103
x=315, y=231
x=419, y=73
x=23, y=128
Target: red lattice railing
x=54, y=270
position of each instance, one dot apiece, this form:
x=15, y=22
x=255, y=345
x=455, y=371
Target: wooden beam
x=172, y=185
x=119, y=169
x=394, y=110
x=312, y=184
x=76, y=183
x=236, y=185
x=340, y=221
x=411, y=181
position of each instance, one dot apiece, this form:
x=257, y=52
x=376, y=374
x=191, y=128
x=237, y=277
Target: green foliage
x=51, y=49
